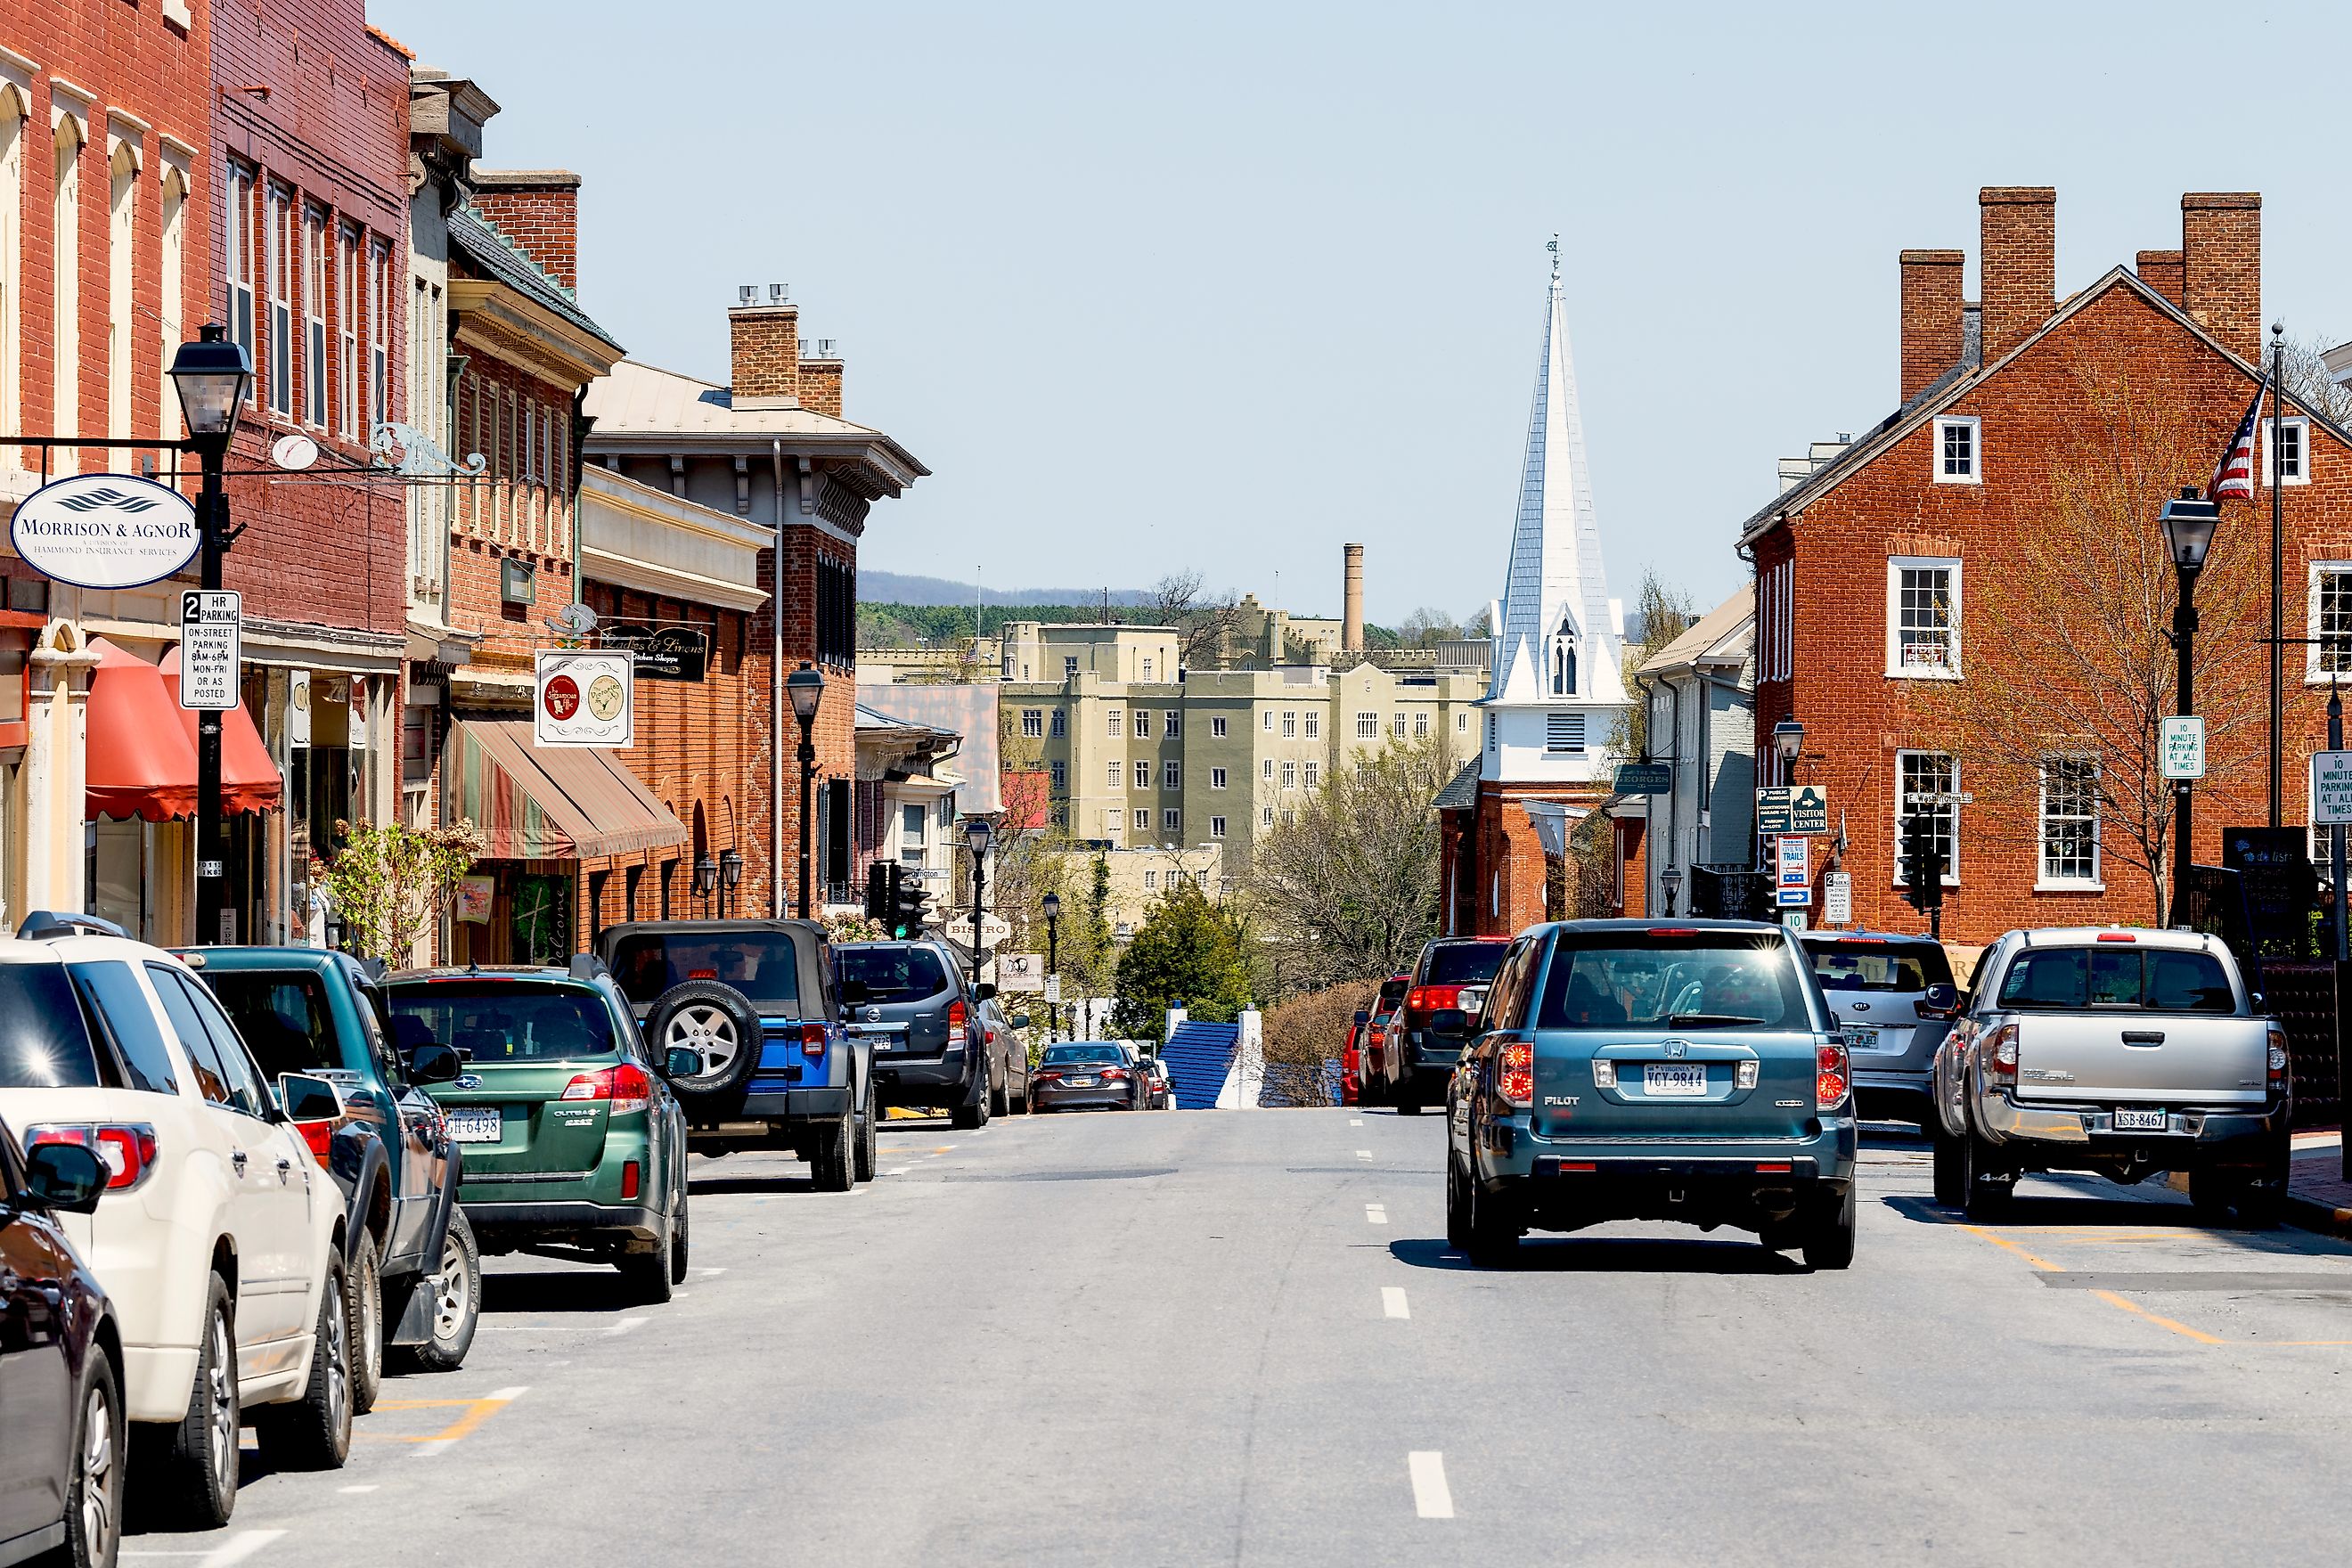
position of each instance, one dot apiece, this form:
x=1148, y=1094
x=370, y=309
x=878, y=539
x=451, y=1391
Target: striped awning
x=535, y=802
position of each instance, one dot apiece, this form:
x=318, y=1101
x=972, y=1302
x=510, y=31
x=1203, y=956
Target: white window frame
x=379, y=312
x=2044, y=882
x=1462, y=724
x=277, y=202
x=1171, y=722
x=1975, y=427
x=1033, y=723
x=1171, y=819
x=1216, y=828
x=2314, y=670
x=1171, y=774
x=1217, y=728
x=1265, y=769
x=1289, y=774
x=1896, y=567
x=1952, y=856
x=1420, y=723
x=1059, y=727
x=2300, y=474
x=1142, y=819
x=1140, y=723
x=1069, y=666
x=1265, y=816
x=1314, y=724
x=1290, y=724
x=1118, y=774
x=1146, y=668
x=1143, y=775
x=350, y=250
x=1150, y=881
x=1368, y=725
x=1565, y=721
x=1313, y=773
x=1216, y=778
x=1265, y=717
x=317, y=382
x=1115, y=719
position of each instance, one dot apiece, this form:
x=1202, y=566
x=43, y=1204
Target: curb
x=2310, y=1214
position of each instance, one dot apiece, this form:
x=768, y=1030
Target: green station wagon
x=574, y=1142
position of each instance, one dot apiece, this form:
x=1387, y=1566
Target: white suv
x=220, y=1235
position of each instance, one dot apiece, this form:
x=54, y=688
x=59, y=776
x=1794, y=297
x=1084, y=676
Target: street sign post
x=2331, y=789
x=211, y=625
x=1837, y=899
x=2182, y=747
x=1772, y=812
x=1809, y=809
x=1796, y=873
x=1054, y=989
x=1794, y=920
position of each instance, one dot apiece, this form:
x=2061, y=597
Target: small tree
x=1202, y=619
x=392, y=883
x=1188, y=949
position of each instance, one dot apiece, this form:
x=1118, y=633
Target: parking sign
x=2331, y=788
x=2182, y=747
x=212, y=624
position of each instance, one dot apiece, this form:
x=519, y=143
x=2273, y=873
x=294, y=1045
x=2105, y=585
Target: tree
x=1426, y=627
x=1663, y=613
x=1201, y=618
x=2069, y=670
x=1347, y=889
x=1188, y=949
x=2310, y=383
x=392, y=883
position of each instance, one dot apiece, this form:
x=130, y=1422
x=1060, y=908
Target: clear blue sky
x=1224, y=286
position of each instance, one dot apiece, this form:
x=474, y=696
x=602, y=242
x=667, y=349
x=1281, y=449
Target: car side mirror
x=434, y=1063
x=307, y=1098
x=2254, y=1000
x=1449, y=1021
x=1938, y=1002
x=681, y=1061
x=854, y=992
x=67, y=1177
x=983, y=992
x=1363, y=1016
x=1020, y=1020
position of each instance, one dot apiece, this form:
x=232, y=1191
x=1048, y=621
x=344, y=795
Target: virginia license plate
x=1669, y=1079
x=1082, y=1083
x=479, y=1124
x=2140, y=1121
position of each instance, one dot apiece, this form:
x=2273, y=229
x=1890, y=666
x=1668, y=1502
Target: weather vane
x=1554, y=247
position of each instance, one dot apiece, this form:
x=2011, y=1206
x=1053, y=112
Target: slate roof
x=1461, y=793
x=479, y=241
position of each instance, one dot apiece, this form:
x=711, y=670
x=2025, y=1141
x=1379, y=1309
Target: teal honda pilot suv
x=1633, y=1070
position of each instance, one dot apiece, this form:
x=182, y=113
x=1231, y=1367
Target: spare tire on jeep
x=720, y=1024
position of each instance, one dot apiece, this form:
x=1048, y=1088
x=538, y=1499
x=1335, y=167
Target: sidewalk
x=2319, y=1199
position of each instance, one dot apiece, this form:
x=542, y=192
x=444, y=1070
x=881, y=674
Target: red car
x=1349, y=1093
x=1380, y=1064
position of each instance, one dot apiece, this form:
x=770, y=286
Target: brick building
x=1868, y=629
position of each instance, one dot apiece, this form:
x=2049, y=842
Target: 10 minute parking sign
x=2331, y=788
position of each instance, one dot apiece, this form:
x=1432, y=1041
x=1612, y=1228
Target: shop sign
x=584, y=698
x=105, y=530
x=1021, y=971
x=474, y=897
x=663, y=653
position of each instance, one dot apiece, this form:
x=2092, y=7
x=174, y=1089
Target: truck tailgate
x=2142, y=1056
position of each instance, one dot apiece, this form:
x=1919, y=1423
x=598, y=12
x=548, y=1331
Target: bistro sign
x=105, y=530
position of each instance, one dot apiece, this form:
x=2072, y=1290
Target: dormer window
x=1563, y=658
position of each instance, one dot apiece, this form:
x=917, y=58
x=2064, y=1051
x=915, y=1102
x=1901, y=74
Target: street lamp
x=731, y=872
x=1052, y=961
x=2189, y=522
x=1789, y=744
x=210, y=376
x=806, y=686
x=977, y=831
x=1670, y=881
x=706, y=877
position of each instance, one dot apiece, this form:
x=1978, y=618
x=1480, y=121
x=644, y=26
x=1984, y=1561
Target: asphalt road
x=1216, y=1338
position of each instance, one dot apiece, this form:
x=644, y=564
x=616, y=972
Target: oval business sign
x=105, y=530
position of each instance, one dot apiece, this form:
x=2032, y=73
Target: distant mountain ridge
x=903, y=588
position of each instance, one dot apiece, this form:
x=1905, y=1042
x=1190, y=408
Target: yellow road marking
x=476, y=1411
x=2112, y=1299
x=2001, y=1241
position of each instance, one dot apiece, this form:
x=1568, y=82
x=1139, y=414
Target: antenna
x=747, y=293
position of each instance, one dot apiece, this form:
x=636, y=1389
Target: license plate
x=1667, y=1078
x=1082, y=1083
x=481, y=1124
x=2140, y=1121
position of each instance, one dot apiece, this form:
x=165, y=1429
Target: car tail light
x=1773, y=1168
x=812, y=1043
x=1516, y=1079
x=1114, y=1075
x=631, y=1178
x=627, y=1087
x=1428, y=998
x=956, y=1016
x=320, y=1136
x=128, y=1148
x=1829, y=1076
x=1604, y=1073
x=2000, y=1057
x=2116, y=936
x=1748, y=1073
x=2280, y=1060
x=1047, y=1074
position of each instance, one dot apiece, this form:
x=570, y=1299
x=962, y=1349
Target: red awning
x=249, y=778
x=140, y=762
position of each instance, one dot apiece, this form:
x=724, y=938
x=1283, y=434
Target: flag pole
x=2278, y=580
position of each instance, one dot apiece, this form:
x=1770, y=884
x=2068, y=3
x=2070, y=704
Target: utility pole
x=2278, y=570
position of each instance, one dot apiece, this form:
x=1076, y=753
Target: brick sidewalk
x=2320, y=1199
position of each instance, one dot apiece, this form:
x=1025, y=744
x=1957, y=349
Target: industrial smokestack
x=1351, y=599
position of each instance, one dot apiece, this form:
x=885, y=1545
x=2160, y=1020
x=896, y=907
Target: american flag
x=2234, y=475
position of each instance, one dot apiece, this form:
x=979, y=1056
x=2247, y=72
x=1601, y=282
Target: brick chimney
x=2160, y=270
x=1351, y=598
x=765, y=341
x=2222, y=266
x=821, y=370
x=538, y=210
x=2017, y=262
x=1931, y=316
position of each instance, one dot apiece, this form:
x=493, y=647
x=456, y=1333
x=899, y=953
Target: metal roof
x=479, y=240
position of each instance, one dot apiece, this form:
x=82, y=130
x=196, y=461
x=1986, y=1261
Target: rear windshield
x=891, y=972
x=491, y=1022
x=1057, y=1056
x=1464, y=963
x=44, y=1040
x=762, y=964
x=283, y=1016
x=1706, y=979
x=1878, y=965
x=2118, y=977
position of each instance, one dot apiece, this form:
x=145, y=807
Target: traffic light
x=1923, y=864
x=878, y=893
x=906, y=901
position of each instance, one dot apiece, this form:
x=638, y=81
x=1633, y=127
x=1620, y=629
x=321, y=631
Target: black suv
x=930, y=1041
x=1452, y=972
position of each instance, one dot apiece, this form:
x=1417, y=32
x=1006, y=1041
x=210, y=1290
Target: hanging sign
x=105, y=530
x=212, y=626
x=583, y=699
x=1021, y=971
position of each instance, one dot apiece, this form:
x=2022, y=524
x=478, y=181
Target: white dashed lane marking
x=1363, y=1153
x=234, y=1549
x=1393, y=1301
x=1431, y=1498
x=1376, y=1214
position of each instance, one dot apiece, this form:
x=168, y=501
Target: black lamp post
x=731, y=872
x=1789, y=743
x=977, y=831
x=210, y=376
x=2189, y=522
x=1052, y=961
x=807, y=688
x=706, y=878
x=1670, y=882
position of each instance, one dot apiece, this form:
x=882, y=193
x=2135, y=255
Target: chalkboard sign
x=1731, y=893
x=2280, y=887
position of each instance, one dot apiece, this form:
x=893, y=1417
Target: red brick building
x=1875, y=572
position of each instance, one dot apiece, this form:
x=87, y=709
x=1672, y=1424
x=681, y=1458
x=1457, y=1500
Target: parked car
x=1382, y=1047
x=1452, y=972
x=1090, y=1075
x=1631, y=1070
x=1159, y=1094
x=755, y=1001
x=2119, y=1052
x=1352, y=1069
x=1008, y=1058
x=571, y=1136
x=415, y=1271
x=61, y=1465
x=1892, y=997
x=923, y=1023
x=219, y=1239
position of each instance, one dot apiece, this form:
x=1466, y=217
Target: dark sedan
x=1099, y=1074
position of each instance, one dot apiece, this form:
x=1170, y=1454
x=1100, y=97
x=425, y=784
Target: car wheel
x=967, y=1118
x=314, y=1432
x=719, y=1024
x=868, y=1140
x=367, y=1324
x=1000, y=1101
x=456, y=1290
x=94, y=1483
x=679, y=1242
x=2211, y=1193
x=1829, y=1237
x=1408, y=1099
x=831, y=1162
x=1457, y=1207
x=646, y=1274
x=1951, y=1166
x=1989, y=1188
x=193, y=1463
x=1493, y=1236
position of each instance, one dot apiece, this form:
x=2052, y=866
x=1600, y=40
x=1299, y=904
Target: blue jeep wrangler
x=756, y=1001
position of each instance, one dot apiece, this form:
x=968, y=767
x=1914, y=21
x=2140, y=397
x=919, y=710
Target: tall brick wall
x=521, y=510
x=538, y=210
x=764, y=342
x=1510, y=854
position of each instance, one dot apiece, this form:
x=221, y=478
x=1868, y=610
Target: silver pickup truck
x=2118, y=1052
